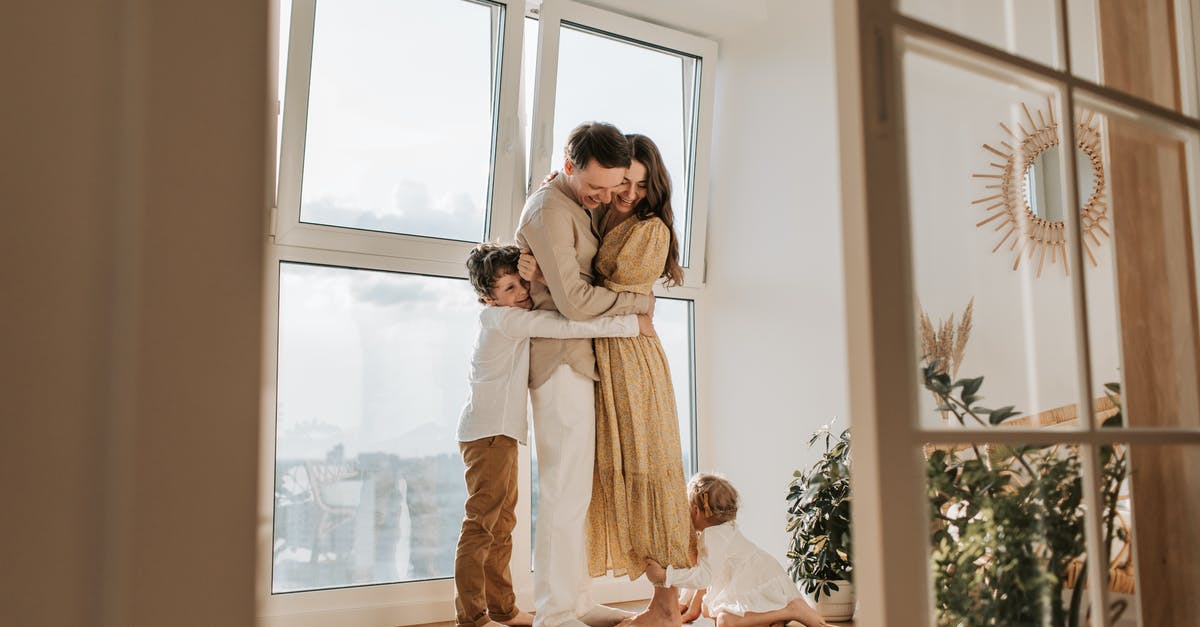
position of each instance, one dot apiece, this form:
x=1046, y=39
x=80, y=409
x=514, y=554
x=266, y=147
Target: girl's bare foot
x=804, y=613
x=522, y=619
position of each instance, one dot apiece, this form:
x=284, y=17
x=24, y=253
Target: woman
x=639, y=503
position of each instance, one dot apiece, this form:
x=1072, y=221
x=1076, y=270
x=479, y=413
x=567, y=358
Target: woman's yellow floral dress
x=639, y=503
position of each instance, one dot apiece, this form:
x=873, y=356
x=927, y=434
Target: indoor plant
x=1007, y=520
x=819, y=523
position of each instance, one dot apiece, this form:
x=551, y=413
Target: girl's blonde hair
x=714, y=496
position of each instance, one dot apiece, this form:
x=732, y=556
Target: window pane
x=674, y=324
x=643, y=90
x=285, y=32
x=401, y=116
x=372, y=377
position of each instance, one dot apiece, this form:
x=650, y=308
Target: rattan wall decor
x=1010, y=206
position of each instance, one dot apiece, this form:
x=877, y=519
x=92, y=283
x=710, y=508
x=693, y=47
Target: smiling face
x=632, y=190
x=593, y=185
x=510, y=291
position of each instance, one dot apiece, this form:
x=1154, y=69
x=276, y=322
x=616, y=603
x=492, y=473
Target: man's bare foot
x=522, y=619
x=605, y=616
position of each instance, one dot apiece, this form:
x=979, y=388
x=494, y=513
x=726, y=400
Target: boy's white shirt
x=499, y=381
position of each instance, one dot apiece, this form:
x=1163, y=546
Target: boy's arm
x=516, y=322
x=550, y=236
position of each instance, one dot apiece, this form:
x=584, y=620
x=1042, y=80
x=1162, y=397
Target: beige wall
x=133, y=183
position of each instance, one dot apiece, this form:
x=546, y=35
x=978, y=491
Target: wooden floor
x=631, y=605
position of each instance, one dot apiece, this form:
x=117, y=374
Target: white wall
x=772, y=355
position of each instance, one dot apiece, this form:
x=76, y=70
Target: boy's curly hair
x=714, y=496
x=488, y=262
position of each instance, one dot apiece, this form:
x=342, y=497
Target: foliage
x=819, y=517
x=1007, y=521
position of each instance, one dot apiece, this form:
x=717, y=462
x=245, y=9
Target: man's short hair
x=599, y=141
x=488, y=262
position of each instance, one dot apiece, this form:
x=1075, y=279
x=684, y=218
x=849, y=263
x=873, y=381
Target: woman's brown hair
x=657, y=203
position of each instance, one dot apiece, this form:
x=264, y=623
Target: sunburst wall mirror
x=1024, y=195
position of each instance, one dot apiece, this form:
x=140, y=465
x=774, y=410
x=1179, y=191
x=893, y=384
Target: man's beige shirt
x=564, y=241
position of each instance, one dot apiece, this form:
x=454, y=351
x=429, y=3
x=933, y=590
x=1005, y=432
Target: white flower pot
x=836, y=606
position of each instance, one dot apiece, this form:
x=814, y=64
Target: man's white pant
x=564, y=422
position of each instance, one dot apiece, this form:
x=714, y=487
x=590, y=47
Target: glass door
x=1024, y=177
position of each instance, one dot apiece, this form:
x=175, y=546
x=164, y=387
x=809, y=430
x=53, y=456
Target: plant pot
x=837, y=605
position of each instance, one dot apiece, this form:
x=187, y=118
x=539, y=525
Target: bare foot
x=802, y=612
x=655, y=617
x=522, y=619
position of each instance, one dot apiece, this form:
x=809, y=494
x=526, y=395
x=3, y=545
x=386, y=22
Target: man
x=556, y=225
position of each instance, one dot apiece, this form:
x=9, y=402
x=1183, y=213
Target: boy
x=494, y=420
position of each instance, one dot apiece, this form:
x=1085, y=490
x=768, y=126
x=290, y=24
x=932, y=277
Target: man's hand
x=527, y=267
x=646, y=325
x=655, y=572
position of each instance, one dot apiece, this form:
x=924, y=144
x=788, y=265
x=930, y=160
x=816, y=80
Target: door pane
x=1146, y=222
x=638, y=88
x=1006, y=534
x=401, y=116
x=372, y=378
x=990, y=267
x=1155, y=513
x=1026, y=28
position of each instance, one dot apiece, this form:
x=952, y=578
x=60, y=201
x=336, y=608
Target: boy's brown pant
x=482, y=581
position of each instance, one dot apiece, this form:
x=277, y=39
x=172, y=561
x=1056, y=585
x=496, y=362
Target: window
x=405, y=139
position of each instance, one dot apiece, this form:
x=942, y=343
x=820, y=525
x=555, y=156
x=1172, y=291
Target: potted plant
x=819, y=523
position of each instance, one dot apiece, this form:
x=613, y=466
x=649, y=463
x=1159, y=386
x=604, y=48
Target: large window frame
x=291, y=240
x=891, y=526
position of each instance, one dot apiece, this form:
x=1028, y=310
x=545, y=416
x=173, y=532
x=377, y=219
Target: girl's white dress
x=740, y=577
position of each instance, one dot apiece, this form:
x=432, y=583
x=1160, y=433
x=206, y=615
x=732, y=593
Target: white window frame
x=891, y=528
x=291, y=240
x=551, y=16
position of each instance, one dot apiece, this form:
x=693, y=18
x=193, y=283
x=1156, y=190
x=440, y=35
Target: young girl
x=746, y=586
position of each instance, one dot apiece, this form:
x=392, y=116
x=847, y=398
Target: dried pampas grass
x=946, y=343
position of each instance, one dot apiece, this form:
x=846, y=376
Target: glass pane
x=529, y=61
x=674, y=324
x=1141, y=48
x=1155, y=512
x=1006, y=534
x=648, y=91
x=1026, y=28
x=991, y=276
x=372, y=377
x=401, y=116
x=285, y=31
x=1141, y=262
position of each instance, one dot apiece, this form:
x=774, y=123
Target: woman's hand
x=655, y=572
x=646, y=325
x=527, y=267
x=549, y=177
